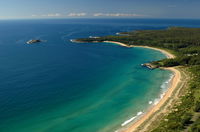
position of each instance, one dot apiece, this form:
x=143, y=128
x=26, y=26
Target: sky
x=34, y=9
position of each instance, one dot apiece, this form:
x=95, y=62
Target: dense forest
x=185, y=44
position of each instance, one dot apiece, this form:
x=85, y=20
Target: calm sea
x=60, y=86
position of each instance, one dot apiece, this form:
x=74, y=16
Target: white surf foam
x=164, y=88
x=150, y=102
x=131, y=119
x=165, y=85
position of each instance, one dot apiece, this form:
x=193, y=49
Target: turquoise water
x=59, y=86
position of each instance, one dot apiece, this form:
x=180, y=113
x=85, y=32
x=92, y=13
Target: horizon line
x=96, y=18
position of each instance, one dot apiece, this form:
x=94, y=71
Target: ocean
x=60, y=86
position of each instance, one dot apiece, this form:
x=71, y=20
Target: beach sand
x=169, y=55
x=118, y=43
x=173, y=85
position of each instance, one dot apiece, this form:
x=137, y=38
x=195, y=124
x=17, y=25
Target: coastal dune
x=173, y=85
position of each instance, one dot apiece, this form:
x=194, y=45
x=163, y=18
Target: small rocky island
x=149, y=65
x=32, y=41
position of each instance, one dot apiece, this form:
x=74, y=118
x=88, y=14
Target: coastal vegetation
x=185, y=44
x=186, y=114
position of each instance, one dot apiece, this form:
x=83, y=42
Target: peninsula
x=179, y=109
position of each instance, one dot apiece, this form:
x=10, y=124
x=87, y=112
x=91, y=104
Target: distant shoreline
x=173, y=85
x=169, y=55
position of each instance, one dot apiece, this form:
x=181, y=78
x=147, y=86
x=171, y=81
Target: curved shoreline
x=169, y=55
x=173, y=85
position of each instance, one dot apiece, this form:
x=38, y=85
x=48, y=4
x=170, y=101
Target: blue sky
x=16, y=9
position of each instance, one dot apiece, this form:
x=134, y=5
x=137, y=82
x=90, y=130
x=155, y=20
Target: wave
x=166, y=83
x=164, y=88
x=131, y=119
x=150, y=102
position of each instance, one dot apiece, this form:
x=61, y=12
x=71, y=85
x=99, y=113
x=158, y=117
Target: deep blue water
x=59, y=86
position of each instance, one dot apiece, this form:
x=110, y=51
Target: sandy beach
x=147, y=115
x=118, y=43
x=169, y=55
x=173, y=85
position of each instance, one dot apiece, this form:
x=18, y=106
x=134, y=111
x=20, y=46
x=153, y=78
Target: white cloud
x=77, y=14
x=117, y=15
x=52, y=15
x=98, y=14
x=82, y=14
x=48, y=15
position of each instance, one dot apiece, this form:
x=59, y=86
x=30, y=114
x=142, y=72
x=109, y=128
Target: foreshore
x=168, y=94
x=173, y=85
x=169, y=55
